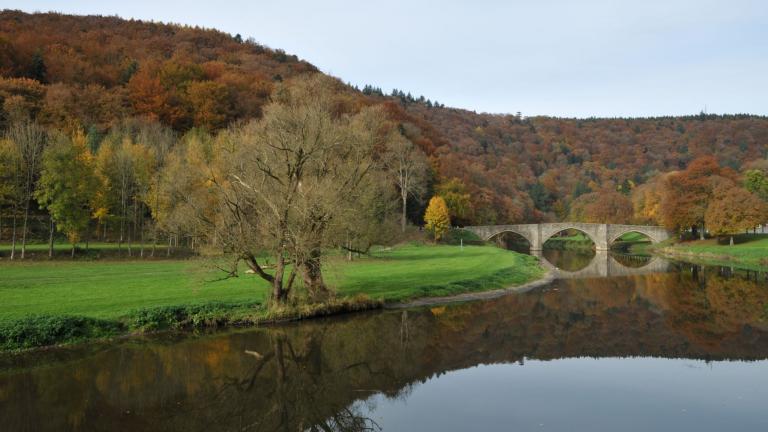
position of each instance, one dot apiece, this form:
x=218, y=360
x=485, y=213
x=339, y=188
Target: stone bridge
x=603, y=235
x=605, y=265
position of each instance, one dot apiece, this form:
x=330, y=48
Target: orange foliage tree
x=686, y=194
x=733, y=209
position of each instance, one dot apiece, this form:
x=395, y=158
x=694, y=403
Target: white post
x=462, y=244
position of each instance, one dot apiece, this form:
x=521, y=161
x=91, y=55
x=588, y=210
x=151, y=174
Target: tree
x=211, y=103
x=646, y=201
x=37, y=69
x=686, y=194
x=9, y=191
x=288, y=183
x=28, y=140
x=457, y=198
x=756, y=181
x=733, y=209
x=126, y=168
x=67, y=185
x=407, y=166
x=437, y=218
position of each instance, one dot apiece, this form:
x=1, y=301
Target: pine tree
x=37, y=69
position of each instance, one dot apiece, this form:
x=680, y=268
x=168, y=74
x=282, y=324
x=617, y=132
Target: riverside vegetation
x=748, y=251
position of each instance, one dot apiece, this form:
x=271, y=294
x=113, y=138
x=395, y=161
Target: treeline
x=141, y=183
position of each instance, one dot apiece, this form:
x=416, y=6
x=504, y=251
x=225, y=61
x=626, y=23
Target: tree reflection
x=313, y=376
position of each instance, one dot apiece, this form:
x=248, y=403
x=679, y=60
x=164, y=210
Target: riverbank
x=750, y=251
x=46, y=303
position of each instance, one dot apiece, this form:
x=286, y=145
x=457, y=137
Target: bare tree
x=408, y=167
x=28, y=140
x=288, y=183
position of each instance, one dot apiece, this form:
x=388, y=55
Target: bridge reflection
x=601, y=264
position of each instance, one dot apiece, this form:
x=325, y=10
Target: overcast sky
x=553, y=57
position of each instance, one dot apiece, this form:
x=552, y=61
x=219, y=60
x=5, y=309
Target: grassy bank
x=750, y=251
x=40, y=302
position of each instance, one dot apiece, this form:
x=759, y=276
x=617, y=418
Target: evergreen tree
x=37, y=69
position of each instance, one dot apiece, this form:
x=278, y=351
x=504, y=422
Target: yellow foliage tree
x=437, y=218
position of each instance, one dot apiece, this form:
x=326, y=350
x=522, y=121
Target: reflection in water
x=632, y=260
x=356, y=373
x=569, y=260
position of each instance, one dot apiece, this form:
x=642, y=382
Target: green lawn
x=109, y=290
x=749, y=250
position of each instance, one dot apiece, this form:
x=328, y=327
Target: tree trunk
x=72, y=255
x=278, y=293
x=50, y=239
x=141, y=236
x=701, y=232
x=402, y=218
x=311, y=272
x=731, y=241
x=13, y=235
x=88, y=235
x=122, y=230
x=24, y=230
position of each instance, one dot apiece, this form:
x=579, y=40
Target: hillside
x=95, y=71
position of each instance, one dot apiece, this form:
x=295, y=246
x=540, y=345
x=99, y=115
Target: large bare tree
x=291, y=182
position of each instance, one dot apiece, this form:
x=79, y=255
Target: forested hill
x=544, y=163
x=94, y=72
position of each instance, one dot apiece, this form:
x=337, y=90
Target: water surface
x=684, y=349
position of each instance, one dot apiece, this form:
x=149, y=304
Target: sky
x=548, y=57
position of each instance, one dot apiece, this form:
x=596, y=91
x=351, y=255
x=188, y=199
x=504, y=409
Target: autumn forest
x=144, y=104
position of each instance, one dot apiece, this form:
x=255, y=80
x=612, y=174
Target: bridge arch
x=595, y=232
x=548, y=234
x=519, y=233
x=654, y=234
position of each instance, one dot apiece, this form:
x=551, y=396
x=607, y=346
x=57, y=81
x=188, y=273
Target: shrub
x=211, y=314
x=35, y=331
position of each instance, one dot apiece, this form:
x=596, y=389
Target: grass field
x=109, y=290
x=749, y=251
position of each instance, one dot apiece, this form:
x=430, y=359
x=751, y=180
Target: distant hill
x=95, y=71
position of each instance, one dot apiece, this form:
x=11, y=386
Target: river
x=683, y=348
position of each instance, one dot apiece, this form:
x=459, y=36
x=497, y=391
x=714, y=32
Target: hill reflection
x=307, y=376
